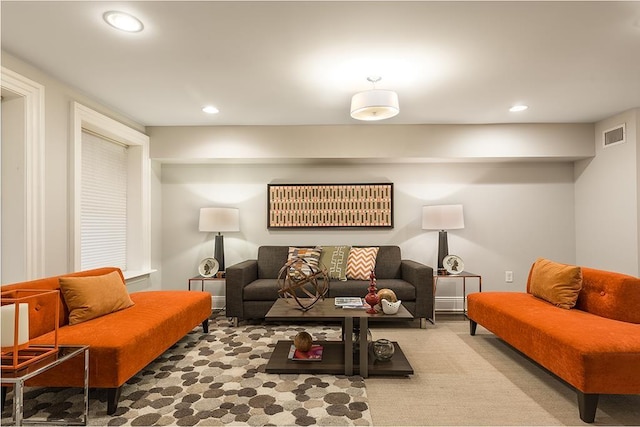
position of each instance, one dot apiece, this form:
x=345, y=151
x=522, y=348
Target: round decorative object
x=390, y=307
x=383, y=350
x=387, y=294
x=302, y=283
x=208, y=267
x=453, y=264
x=303, y=341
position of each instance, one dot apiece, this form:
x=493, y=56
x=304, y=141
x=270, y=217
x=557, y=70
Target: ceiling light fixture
x=123, y=21
x=374, y=104
x=210, y=109
x=517, y=108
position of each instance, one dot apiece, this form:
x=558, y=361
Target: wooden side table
x=464, y=276
x=216, y=288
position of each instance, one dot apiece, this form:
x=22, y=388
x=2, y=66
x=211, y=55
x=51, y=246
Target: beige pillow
x=360, y=263
x=89, y=297
x=556, y=283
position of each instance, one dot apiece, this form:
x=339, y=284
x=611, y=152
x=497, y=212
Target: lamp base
x=219, y=251
x=443, y=251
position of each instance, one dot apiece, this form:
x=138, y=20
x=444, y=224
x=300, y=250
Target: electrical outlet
x=508, y=276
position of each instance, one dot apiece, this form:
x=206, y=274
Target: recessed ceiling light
x=210, y=109
x=517, y=108
x=123, y=21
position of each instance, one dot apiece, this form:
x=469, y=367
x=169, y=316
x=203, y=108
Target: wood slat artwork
x=330, y=205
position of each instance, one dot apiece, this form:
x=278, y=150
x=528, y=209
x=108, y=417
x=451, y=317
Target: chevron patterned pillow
x=360, y=262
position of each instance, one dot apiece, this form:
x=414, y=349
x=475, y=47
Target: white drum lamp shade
x=374, y=105
x=442, y=218
x=214, y=220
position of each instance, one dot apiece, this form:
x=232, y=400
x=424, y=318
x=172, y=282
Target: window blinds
x=104, y=203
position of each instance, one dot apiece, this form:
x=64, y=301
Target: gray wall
x=607, y=192
x=514, y=212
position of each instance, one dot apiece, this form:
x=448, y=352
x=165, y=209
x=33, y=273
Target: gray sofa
x=252, y=286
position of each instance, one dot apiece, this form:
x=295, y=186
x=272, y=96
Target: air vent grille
x=614, y=136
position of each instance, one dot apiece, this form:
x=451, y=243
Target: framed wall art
x=329, y=205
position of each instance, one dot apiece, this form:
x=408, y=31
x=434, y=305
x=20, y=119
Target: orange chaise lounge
x=121, y=342
x=580, y=323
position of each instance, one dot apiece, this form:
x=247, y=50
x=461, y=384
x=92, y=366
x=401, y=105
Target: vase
x=372, y=297
x=383, y=350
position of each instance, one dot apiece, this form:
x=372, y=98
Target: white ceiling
x=286, y=63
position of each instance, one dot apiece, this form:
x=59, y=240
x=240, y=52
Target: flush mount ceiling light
x=210, y=109
x=374, y=104
x=517, y=108
x=123, y=21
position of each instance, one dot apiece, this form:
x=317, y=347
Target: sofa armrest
x=236, y=278
x=420, y=276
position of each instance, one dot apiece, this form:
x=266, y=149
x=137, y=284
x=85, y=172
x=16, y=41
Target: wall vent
x=613, y=136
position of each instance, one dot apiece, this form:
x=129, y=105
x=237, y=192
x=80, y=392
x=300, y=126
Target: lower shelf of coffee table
x=333, y=361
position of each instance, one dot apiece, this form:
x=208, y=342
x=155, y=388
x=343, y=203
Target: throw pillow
x=89, y=297
x=556, y=283
x=360, y=262
x=310, y=255
x=334, y=259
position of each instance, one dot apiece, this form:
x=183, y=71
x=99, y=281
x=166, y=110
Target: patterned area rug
x=217, y=379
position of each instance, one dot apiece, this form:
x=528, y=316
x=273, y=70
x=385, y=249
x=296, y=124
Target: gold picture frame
x=329, y=206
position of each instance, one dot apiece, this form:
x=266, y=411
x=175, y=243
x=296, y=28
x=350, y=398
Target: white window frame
x=138, y=197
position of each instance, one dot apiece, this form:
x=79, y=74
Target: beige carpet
x=479, y=380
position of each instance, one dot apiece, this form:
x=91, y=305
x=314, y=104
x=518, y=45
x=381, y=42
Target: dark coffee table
x=338, y=356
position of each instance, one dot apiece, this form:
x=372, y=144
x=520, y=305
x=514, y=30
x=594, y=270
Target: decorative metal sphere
x=303, y=283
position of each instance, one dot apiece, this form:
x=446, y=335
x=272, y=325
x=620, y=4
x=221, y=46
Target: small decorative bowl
x=390, y=307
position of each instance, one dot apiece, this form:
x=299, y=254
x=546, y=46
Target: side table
x=217, y=288
x=202, y=281
x=464, y=276
x=18, y=379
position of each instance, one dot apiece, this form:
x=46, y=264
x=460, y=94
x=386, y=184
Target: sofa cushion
x=360, y=262
x=261, y=290
x=94, y=296
x=388, y=263
x=556, y=283
x=334, y=259
x=612, y=295
x=270, y=260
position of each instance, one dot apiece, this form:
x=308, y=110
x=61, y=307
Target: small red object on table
x=372, y=297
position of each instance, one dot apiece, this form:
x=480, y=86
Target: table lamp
x=219, y=220
x=442, y=218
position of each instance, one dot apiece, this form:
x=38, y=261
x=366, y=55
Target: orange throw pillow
x=89, y=297
x=556, y=283
x=360, y=262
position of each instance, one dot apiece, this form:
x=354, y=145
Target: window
x=111, y=213
x=103, y=209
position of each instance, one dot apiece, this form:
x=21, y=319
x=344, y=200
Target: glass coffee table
x=338, y=356
x=18, y=378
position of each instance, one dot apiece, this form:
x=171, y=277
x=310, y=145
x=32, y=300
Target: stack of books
x=351, y=302
x=314, y=354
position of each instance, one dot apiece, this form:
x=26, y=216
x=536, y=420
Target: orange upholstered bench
x=594, y=346
x=120, y=343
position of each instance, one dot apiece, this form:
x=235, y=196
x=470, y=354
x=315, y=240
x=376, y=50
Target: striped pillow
x=360, y=263
x=310, y=255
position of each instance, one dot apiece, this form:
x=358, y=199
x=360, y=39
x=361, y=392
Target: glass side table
x=18, y=379
x=464, y=276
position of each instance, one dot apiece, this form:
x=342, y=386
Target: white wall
x=58, y=99
x=607, y=194
x=514, y=212
x=14, y=266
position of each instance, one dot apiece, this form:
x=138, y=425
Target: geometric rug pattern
x=217, y=379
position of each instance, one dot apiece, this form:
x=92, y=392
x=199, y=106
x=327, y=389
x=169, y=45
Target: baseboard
x=218, y=302
x=449, y=304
